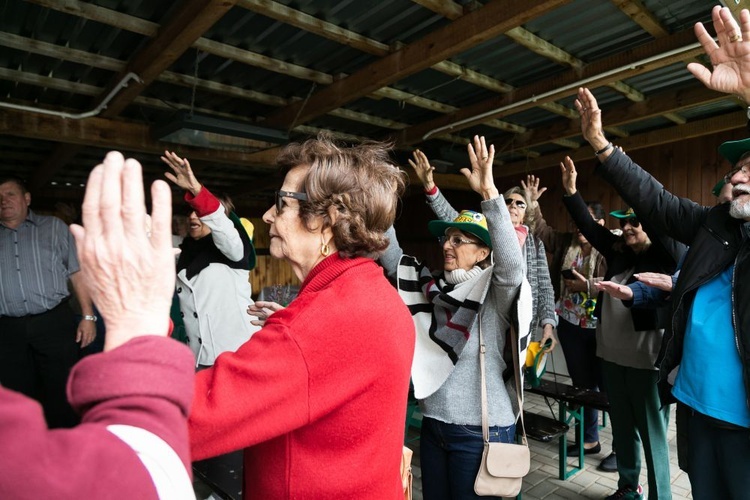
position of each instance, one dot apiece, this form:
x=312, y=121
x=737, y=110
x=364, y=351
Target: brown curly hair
x=360, y=183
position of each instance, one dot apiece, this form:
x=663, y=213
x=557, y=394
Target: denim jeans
x=450, y=456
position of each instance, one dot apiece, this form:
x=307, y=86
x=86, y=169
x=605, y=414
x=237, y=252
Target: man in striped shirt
x=38, y=333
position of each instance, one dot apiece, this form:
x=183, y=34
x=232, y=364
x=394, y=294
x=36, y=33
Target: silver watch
x=90, y=317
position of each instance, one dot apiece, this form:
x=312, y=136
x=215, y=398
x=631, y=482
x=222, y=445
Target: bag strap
x=512, y=337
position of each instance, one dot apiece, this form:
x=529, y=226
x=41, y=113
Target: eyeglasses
x=633, y=221
x=280, y=195
x=456, y=241
x=745, y=169
x=520, y=204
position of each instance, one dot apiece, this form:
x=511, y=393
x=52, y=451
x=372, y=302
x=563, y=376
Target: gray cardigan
x=458, y=400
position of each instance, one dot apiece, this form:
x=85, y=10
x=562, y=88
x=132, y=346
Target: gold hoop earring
x=325, y=250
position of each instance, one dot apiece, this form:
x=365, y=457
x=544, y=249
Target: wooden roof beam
x=484, y=24
x=596, y=74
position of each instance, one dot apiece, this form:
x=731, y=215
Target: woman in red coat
x=317, y=398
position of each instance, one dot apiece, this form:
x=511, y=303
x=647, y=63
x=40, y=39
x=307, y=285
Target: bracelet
x=90, y=317
x=604, y=149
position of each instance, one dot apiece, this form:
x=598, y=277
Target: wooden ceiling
x=422, y=73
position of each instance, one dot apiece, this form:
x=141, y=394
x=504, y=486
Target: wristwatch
x=90, y=317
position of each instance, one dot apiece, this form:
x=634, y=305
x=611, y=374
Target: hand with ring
x=730, y=57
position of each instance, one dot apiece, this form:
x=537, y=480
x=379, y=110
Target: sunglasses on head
x=280, y=195
x=519, y=204
x=633, y=221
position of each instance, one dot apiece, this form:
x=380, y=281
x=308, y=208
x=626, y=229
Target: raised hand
x=616, y=290
x=531, y=186
x=569, y=175
x=730, y=58
x=182, y=174
x=423, y=169
x=591, y=119
x=480, y=175
x=129, y=275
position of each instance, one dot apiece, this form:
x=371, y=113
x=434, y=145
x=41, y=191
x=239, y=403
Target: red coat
x=145, y=383
x=318, y=396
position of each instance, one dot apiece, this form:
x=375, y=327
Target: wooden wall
x=690, y=168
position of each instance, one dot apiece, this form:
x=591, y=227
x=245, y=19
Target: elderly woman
x=575, y=300
x=317, y=399
x=628, y=342
x=535, y=262
x=212, y=269
x=478, y=285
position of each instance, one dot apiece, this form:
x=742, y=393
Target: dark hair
x=359, y=182
x=597, y=209
x=226, y=202
x=17, y=180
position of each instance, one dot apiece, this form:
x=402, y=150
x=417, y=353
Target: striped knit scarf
x=444, y=316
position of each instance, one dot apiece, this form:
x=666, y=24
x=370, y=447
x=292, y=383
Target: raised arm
x=599, y=236
x=438, y=203
x=227, y=237
x=551, y=238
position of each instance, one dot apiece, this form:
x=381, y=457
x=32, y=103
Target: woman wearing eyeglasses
x=478, y=285
x=317, y=398
x=537, y=269
x=628, y=342
x=212, y=269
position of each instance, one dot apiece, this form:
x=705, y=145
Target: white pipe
x=579, y=83
x=121, y=85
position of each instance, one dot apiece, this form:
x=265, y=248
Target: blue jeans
x=450, y=456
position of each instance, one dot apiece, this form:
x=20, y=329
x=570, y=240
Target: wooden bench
x=541, y=428
x=571, y=401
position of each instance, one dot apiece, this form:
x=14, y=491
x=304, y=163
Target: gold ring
x=735, y=37
x=485, y=158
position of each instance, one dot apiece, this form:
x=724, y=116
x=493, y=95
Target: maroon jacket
x=146, y=383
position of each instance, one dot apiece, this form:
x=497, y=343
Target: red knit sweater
x=318, y=396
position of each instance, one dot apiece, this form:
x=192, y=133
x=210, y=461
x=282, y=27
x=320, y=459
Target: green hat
x=733, y=150
x=626, y=213
x=716, y=191
x=467, y=221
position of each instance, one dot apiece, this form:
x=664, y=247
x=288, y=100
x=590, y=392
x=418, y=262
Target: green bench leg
x=567, y=416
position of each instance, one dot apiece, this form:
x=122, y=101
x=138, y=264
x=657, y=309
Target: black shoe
x=608, y=464
x=573, y=450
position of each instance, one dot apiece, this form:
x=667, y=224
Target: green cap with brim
x=626, y=213
x=467, y=221
x=733, y=150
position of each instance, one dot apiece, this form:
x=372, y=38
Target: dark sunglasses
x=633, y=221
x=280, y=195
x=520, y=204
